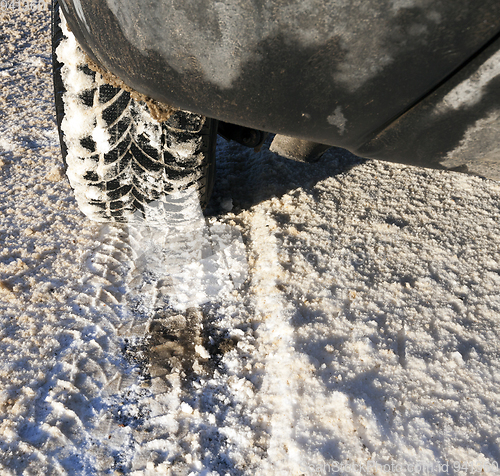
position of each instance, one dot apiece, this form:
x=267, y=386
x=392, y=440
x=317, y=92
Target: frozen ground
x=365, y=338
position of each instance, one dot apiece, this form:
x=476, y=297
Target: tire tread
x=141, y=164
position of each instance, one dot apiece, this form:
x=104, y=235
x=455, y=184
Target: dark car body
x=409, y=81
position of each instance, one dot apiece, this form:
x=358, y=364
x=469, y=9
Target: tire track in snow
x=302, y=440
x=60, y=429
x=95, y=382
x=97, y=398
x=161, y=417
x=276, y=339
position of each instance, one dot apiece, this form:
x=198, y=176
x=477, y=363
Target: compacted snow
x=337, y=318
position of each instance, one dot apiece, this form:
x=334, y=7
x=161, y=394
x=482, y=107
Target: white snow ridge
x=340, y=318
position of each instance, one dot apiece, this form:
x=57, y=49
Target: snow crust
x=337, y=318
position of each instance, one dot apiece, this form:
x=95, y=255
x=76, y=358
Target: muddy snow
x=336, y=318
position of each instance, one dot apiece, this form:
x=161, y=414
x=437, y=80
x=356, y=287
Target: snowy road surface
x=363, y=340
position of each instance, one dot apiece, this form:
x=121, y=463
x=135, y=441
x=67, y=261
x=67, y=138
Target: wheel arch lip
x=380, y=119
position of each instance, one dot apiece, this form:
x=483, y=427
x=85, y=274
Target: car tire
x=120, y=161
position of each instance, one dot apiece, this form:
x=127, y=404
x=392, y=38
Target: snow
x=469, y=92
x=344, y=317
